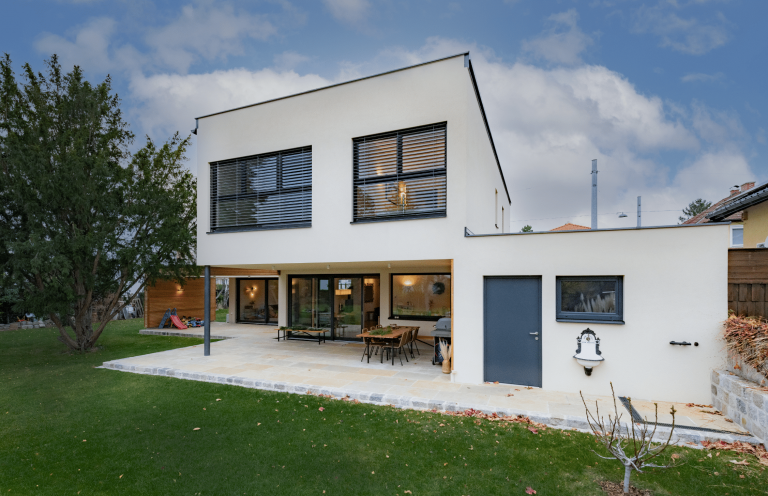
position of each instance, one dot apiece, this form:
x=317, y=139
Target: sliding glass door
x=257, y=301
x=342, y=304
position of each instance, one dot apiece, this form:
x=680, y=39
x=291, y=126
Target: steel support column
x=207, y=313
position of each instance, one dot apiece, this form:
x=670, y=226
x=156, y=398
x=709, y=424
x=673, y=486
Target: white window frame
x=730, y=241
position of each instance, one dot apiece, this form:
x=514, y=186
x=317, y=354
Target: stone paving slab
x=252, y=357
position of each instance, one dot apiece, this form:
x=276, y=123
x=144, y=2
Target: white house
x=382, y=200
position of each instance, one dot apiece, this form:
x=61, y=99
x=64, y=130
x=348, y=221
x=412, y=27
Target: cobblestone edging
x=742, y=401
x=178, y=334
x=560, y=422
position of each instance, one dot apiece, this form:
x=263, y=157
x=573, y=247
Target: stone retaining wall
x=745, y=402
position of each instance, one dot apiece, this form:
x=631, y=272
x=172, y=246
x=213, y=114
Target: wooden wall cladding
x=233, y=271
x=748, y=265
x=748, y=281
x=187, y=302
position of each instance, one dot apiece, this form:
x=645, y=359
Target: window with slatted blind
x=269, y=191
x=400, y=174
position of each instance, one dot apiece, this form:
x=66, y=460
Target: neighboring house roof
x=739, y=202
x=704, y=216
x=467, y=64
x=571, y=227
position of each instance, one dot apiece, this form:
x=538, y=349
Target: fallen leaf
x=321, y=409
x=675, y=456
x=218, y=399
x=740, y=462
x=510, y=394
x=407, y=491
x=121, y=476
x=535, y=431
x=196, y=429
x=444, y=464
x=529, y=490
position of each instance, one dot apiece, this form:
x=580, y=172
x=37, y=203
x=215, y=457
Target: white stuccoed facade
x=675, y=279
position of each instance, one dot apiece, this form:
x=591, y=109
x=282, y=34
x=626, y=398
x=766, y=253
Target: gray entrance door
x=512, y=330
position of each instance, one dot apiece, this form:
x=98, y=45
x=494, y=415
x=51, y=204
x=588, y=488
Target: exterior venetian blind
x=400, y=174
x=270, y=191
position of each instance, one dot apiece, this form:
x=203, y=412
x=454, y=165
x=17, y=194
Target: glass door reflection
x=257, y=301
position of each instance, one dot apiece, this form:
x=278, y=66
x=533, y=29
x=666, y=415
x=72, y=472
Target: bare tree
x=638, y=442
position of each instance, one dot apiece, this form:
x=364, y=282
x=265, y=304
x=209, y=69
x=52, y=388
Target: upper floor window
x=400, y=174
x=269, y=191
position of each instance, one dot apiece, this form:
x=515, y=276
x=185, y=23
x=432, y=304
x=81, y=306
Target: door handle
x=533, y=333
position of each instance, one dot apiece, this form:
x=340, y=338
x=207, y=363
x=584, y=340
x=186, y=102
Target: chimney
x=746, y=186
x=735, y=190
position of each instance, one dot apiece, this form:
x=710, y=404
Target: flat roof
x=469, y=234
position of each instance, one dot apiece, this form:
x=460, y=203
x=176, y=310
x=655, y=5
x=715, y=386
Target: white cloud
x=170, y=102
x=562, y=42
x=717, y=127
x=689, y=36
x=202, y=30
x=352, y=12
x=701, y=77
x=289, y=60
x=206, y=30
x=89, y=45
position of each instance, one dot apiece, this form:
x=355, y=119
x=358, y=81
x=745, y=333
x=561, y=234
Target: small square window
x=590, y=299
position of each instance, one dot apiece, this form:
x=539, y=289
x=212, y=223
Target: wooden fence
x=748, y=281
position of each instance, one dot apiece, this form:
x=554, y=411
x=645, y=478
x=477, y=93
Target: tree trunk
x=627, y=473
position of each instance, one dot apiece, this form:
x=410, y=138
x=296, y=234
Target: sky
x=668, y=95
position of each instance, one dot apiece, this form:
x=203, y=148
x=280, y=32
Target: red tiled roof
x=571, y=227
x=702, y=217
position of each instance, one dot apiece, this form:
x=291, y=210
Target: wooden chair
x=398, y=346
x=414, y=341
x=367, y=343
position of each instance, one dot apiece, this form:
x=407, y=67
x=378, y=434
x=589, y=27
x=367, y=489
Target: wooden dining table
x=394, y=334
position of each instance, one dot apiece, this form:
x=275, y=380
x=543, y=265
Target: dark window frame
x=280, y=189
x=392, y=315
x=591, y=317
x=240, y=280
x=343, y=275
x=399, y=175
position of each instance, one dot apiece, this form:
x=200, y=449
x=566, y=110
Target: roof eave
x=739, y=204
x=464, y=54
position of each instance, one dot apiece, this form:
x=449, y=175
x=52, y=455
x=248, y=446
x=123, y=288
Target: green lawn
x=221, y=315
x=69, y=428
